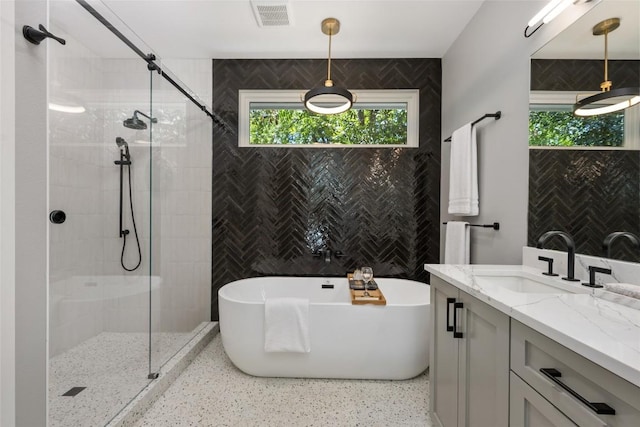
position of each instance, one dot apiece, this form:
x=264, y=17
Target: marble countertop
x=599, y=325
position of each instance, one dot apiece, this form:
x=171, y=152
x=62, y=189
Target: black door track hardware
x=34, y=36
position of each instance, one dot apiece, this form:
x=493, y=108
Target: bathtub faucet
x=326, y=254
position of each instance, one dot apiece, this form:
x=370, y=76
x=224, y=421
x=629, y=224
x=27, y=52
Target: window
x=552, y=124
x=277, y=118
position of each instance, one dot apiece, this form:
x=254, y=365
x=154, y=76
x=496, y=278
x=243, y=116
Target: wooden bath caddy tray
x=376, y=297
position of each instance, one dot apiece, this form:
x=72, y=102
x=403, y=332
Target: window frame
x=557, y=97
x=369, y=96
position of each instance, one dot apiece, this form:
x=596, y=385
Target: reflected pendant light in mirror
x=329, y=99
x=613, y=99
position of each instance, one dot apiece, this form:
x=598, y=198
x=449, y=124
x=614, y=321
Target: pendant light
x=617, y=99
x=329, y=99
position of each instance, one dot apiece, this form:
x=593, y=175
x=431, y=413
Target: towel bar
x=496, y=115
x=495, y=225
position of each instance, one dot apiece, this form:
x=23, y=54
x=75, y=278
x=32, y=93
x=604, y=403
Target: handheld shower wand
x=125, y=160
x=124, y=151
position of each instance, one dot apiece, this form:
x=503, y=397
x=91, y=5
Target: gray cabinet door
x=443, y=369
x=483, y=394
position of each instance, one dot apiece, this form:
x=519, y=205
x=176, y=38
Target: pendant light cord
x=606, y=61
x=329, y=61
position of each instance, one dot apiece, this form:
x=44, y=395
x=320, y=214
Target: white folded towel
x=625, y=289
x=456, y=245
x=286, y=325
x=463, y=172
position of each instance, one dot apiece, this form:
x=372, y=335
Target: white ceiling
x=228, y=29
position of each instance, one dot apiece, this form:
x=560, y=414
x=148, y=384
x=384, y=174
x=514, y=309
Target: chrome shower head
x=137, y=124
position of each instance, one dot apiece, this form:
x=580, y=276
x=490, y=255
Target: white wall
x=7, y=218
x=30, y=218
x=486, y=70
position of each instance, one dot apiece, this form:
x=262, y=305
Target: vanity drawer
x=532, y=352
x=528, y=408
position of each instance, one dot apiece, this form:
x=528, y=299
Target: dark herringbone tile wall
x=588, y=193
x=581, y=74
x=272, y=207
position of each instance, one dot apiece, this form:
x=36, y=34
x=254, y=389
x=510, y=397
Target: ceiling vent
x=272, y=13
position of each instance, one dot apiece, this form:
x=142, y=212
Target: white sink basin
x=519, y=281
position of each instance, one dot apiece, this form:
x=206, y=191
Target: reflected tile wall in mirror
x=589, y=194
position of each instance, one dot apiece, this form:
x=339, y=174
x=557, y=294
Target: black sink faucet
x=571, y=251
x=608, y=241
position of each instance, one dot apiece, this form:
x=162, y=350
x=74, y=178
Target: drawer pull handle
x=597, y=407
x=449, y=302
x=456, y=306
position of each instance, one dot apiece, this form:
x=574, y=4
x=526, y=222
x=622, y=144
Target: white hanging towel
x=286, y=325
x=456, y=245
x=463, y=172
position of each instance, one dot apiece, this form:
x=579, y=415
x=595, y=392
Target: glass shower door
x=99, y=198
x=181, y=215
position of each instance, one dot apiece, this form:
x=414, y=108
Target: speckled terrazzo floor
x=113, y=367
x=212, y=392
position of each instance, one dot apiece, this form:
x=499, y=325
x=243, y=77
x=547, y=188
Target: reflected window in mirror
x=552, y=124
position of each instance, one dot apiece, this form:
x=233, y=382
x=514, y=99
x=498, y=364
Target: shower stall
x=129, y=189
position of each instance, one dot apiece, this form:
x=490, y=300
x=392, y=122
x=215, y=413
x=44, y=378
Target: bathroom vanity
x=512, y=347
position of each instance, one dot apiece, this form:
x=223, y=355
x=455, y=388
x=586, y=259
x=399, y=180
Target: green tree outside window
x=563, y=129
x=353, y=127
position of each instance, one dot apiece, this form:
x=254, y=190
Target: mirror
x=585, y=179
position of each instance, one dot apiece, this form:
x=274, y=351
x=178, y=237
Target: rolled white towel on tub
x=286, y=325
x=625, y=289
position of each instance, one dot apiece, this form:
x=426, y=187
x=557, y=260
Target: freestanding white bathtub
x=347, y=341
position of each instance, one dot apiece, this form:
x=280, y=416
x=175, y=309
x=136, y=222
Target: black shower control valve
x=34, y=36
x=549, y=262
x=57, y=217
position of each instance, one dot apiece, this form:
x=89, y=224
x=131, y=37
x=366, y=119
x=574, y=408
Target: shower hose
x=135, y=230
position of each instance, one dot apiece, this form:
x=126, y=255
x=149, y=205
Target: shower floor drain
x=73, y=391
